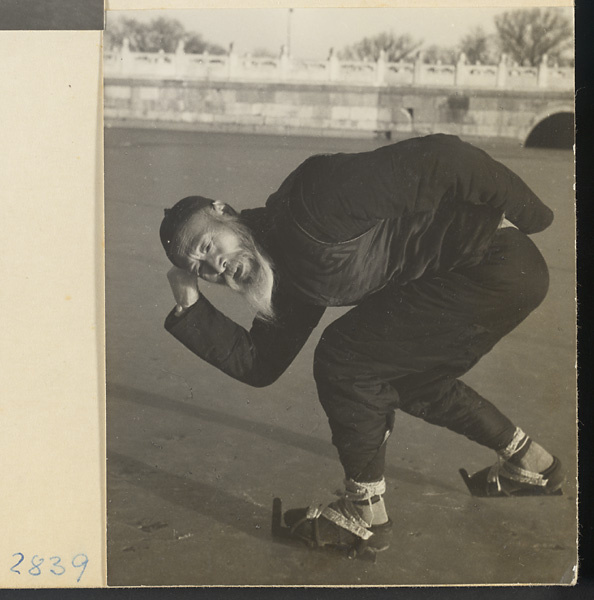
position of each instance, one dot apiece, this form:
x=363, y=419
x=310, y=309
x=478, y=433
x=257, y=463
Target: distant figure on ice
x=411, y=236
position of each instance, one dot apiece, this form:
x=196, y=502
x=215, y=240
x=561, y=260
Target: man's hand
x=184, y=286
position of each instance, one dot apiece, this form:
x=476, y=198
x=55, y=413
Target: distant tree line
x=159, y=34
x=525, y=36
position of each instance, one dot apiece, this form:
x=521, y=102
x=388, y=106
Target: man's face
x=210, y=249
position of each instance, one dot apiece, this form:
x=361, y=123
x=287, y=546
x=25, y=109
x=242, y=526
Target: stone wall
x=326, y=109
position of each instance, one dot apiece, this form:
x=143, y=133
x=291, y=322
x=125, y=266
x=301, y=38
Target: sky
x=315, y=30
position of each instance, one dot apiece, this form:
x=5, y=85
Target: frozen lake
x=196, y=458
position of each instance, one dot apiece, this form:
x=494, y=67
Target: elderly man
x=411, y=236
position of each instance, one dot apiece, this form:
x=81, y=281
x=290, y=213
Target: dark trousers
x=405, y=347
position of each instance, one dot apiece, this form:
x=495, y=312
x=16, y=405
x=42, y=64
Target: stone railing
x=179, y=65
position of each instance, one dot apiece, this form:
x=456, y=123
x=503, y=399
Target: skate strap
x=508, y=471
x=314, y=510
x=352, y=523
x=343, y=514
x=372, y=500
x=360, y=491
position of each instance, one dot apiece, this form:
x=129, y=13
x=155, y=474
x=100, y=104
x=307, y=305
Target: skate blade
x=472, y=488
x=468, y=482
x=282, y=534
x=279, y=531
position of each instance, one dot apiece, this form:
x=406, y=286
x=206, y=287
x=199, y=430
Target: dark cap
x=177, y=215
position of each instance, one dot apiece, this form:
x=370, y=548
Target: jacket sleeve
x=522, y=207
x=257, y=357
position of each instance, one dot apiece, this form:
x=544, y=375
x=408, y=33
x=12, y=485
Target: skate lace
x=353, y=492
x=341, y=512
x=503, y=468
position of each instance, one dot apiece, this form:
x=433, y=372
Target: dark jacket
x=343, y=226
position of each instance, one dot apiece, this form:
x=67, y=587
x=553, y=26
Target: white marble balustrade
x=124, y=63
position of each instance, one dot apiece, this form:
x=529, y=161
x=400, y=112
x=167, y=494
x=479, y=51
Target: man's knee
x=533, y=283
x=332, y=357
x=537, y=286
x=340, y=365
x=349, y=387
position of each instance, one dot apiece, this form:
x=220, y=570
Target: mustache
x=254, y=280
x=240, y=270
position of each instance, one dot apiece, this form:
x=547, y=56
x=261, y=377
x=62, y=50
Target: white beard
x=252, y=276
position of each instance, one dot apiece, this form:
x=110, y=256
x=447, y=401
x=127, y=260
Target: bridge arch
x=551, y=129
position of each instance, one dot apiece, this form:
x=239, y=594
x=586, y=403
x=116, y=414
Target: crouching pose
x=411, y=236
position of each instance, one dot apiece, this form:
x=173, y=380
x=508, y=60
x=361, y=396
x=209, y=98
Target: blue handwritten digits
x=80, y=561
x=82, y=564
x=56, y=563
x=14, y=567
x=36, y=566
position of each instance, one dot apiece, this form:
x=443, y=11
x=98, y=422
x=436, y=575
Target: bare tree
x=527, y=35
x=194, y=43
x=159, y=34
x=115, y=32
x=480, y=47
x=396, y=47
x=162, y=34
x=446, y=55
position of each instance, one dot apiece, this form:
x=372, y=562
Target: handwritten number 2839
x=80, y=561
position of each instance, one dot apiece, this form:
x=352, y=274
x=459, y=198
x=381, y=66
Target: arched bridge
x=533, y=105
x=533, y=118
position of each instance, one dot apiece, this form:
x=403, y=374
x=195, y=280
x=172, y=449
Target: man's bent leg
x=360, y=411
x=406, y=347
x=360, y=405
x=448, y=402
x=439, y=398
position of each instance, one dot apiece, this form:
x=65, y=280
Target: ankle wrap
x=508, y=464
x=517, y=447
x=364, y=492
x=373, y=500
